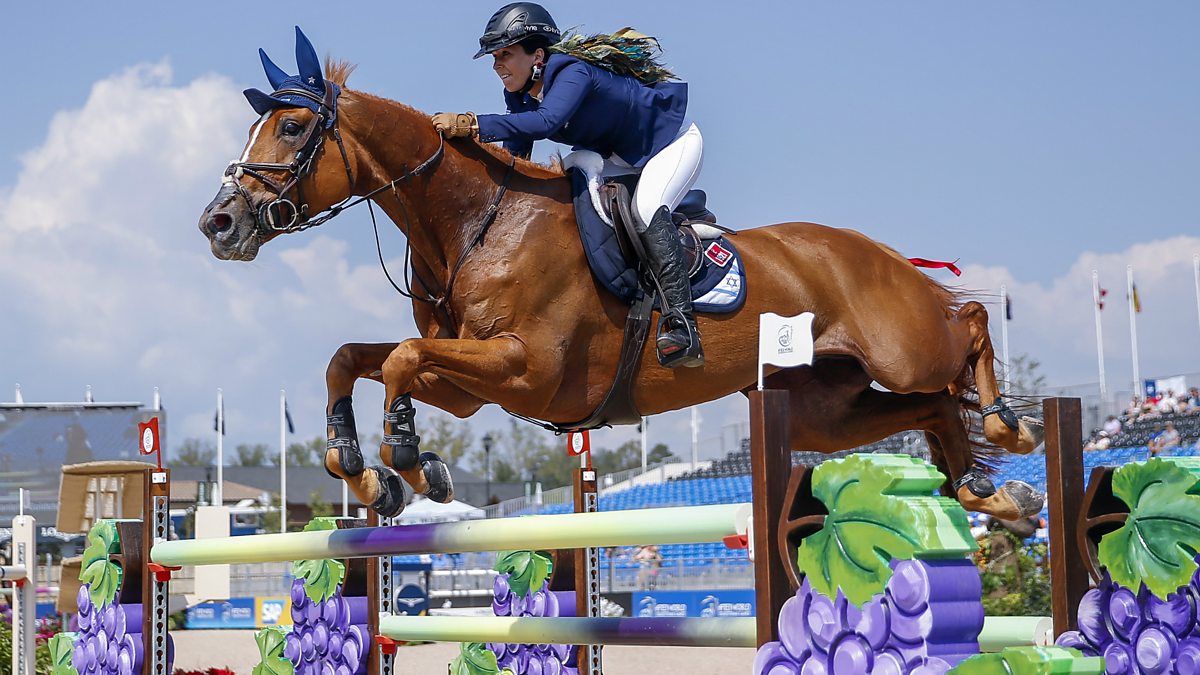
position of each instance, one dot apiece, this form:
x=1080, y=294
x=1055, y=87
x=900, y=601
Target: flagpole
x=645, y=435
x=345, y=500
x=1137, y=374
x=1004, y=328
x=695, y=436
x=1099, y=336
x=219, y=493
x=282, y=460
x=1196, y=276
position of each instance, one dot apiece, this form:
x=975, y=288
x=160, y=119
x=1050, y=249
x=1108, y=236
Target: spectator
x=1167, y=438
x=1193, y=399
x=1112, y=426
x=1169, y=404
x=649, y=560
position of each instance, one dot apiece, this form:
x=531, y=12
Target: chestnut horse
x=519, y=320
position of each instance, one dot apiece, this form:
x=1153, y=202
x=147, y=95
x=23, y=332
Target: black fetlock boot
x=437, y=474
x=678, y=339
x=392, y=497
x=345, y=439
x=402, y=433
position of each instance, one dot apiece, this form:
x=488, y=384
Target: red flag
x=1103, y=292
x=578, y=442
x=148, y=436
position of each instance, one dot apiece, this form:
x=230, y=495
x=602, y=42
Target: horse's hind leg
x=833, y=408
x=1000, y=425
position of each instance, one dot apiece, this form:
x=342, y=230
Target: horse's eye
x=291, y=128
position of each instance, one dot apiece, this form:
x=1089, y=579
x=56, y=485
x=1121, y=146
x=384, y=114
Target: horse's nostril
x=219, y=223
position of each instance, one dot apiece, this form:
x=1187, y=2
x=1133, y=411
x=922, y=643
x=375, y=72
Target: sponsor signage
x=242, y=612
x=728, y=602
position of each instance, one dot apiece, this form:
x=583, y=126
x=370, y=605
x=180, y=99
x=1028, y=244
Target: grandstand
x=36, y=439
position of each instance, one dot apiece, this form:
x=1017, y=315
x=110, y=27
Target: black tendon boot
x=678, y=339
x=406, y=450
x=402, y=433
x=345, y=438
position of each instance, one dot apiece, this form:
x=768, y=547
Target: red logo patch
x=718, y=254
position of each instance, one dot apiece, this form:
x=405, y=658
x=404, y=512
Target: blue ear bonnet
x=306, y=90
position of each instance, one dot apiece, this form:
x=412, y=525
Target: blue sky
x=1033, y=141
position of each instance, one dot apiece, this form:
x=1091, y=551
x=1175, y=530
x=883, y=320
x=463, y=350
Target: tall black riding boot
x=678, y=339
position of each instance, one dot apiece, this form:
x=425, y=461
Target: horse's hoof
x=1031, y=434
x=437, y=474
x=1013, y=501
x=1029, y=502
x=390, y=501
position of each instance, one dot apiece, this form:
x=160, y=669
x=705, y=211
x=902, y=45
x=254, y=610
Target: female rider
x=637, y=128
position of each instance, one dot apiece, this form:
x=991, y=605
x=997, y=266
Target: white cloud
x=1055, y=324
x=107, y=279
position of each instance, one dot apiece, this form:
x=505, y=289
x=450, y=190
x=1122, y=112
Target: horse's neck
x=437, y=211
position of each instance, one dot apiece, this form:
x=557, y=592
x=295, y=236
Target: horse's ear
x=307, y=61
x=275, y=74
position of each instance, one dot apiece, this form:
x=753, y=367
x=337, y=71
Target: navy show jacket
x=590, y=108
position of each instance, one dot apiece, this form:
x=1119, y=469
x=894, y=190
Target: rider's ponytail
x=625, y=52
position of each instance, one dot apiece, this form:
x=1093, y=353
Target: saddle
x=618, y=203
x=615, y=254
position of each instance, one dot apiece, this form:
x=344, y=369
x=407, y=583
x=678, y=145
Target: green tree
x=628, y=455
x=521, y=451
x=317, y=505
x=252, y=455
x=449, y=437
x=194, y=452
x=303, y=453
x=1026, y=383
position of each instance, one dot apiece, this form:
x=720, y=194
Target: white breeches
x=668, y=176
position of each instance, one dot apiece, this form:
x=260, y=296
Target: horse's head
x=286, y=175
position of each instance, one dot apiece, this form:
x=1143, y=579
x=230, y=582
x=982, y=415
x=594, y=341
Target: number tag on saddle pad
x=718, y=254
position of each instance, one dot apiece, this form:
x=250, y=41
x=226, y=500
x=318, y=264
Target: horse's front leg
x=482, y=369
x=343, y=458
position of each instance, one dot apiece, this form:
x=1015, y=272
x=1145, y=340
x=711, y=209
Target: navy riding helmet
x=515, y=22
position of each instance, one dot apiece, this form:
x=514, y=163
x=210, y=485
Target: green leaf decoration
x=526, y=569
x=102, y=577
x=271, y=642
x=474, y=658
x=1031, y=661
x=322, y=578
x=881, y=508
x=1158, y=543
x=62, y=650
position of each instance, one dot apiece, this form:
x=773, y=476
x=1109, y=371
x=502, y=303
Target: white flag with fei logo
x=785, y=341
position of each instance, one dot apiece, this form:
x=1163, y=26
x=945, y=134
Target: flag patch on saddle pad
x=718, y=254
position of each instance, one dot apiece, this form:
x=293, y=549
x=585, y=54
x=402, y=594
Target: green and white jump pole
x=676, y=525
x=639, y=631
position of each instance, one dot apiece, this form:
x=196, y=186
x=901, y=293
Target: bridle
x=282, y=215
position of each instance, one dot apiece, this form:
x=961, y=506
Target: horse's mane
x=338, y=71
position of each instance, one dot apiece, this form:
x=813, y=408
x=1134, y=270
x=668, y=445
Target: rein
x=270, y=216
